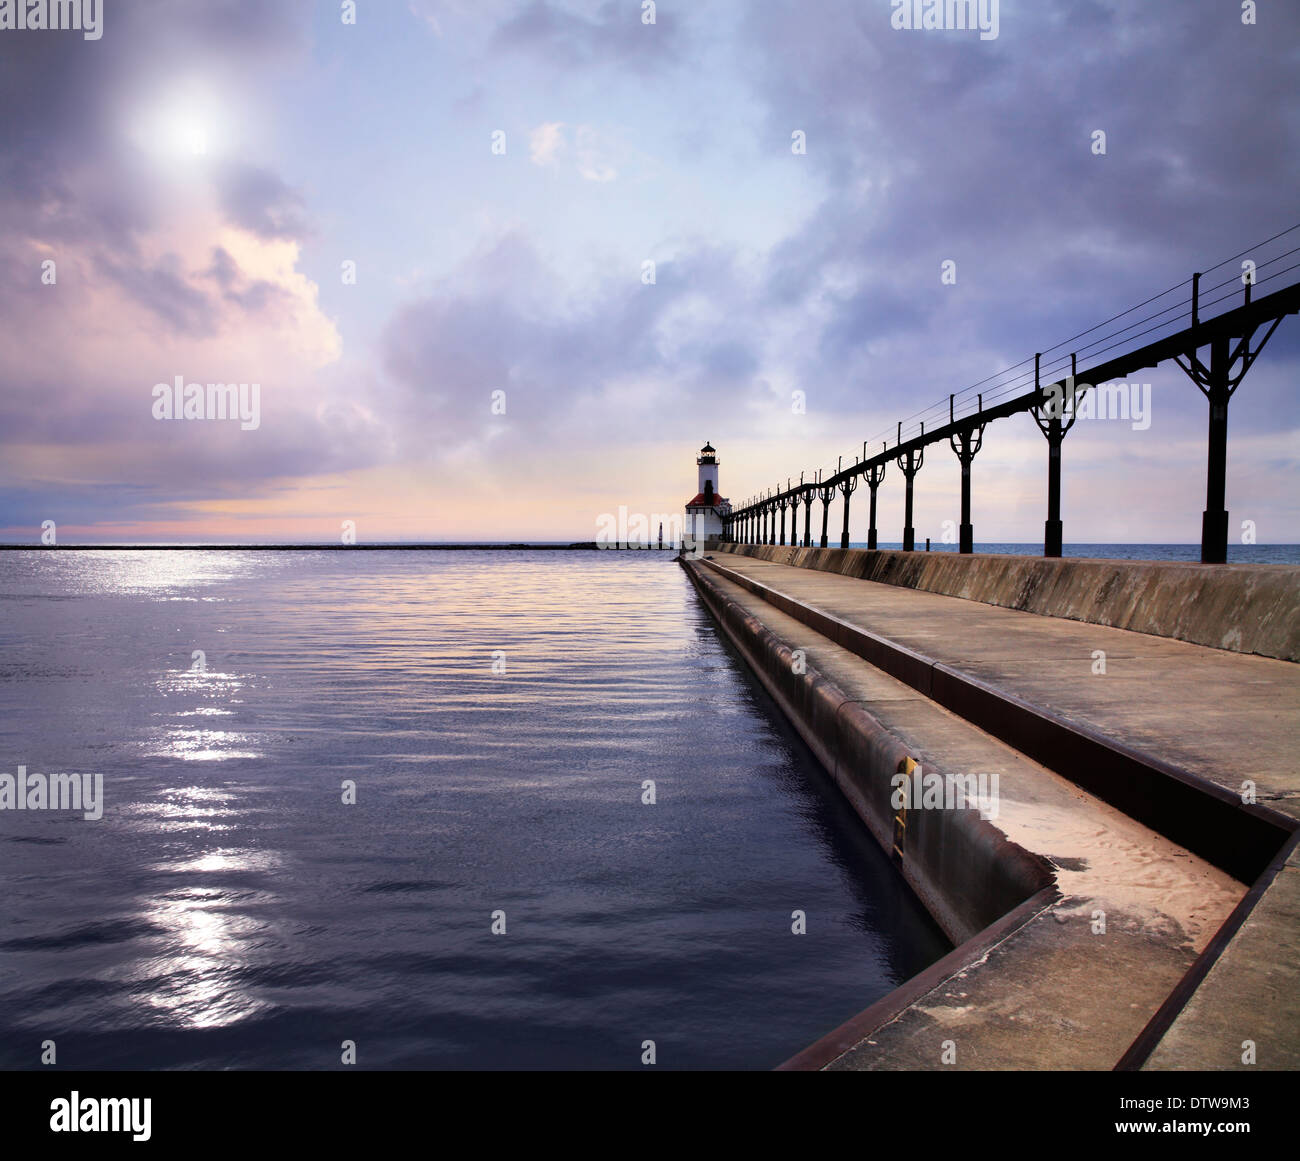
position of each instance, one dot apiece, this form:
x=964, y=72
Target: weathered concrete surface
x=1245, y=608
x=1055, y=993
x=839, y=706
x=1223, y=716
x=1252, y=993
x=1052, y=996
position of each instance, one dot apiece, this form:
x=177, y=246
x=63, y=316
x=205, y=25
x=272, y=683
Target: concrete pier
x=1246, y=608
x=1122, y=906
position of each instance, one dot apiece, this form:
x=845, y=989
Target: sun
x=184, y=125
x=191, y=136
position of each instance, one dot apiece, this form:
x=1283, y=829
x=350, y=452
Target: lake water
x=498, y=714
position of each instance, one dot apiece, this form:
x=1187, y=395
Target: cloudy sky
x=207, y=176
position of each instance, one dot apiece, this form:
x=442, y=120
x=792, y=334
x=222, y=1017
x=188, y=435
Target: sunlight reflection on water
x=229, y=890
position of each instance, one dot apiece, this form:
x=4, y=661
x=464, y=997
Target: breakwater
x=1152, y=834
x=1246, y=608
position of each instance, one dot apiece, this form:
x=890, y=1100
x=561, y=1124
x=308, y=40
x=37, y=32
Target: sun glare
x=186, y=125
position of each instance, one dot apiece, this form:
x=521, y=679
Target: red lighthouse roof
x=700, y=502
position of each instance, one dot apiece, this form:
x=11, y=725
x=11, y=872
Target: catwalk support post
x=848, y=486
x=1218, y=384
x=1049, y=414
x=875, y=476
x=909, y=463
x=966, y=443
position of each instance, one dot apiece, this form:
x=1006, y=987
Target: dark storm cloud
x=257, y=200
x=56, y=118
x=930, y=147
x=106, y=504
x=161, y=287
x=940, y=146
x=625, y=352
x=251, y=295
x=236, y=27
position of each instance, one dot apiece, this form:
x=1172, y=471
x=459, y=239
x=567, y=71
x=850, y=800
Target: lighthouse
x=705, y=512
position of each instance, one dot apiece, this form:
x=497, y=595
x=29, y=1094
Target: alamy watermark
x=921, y=791
x=84, y=792
x=181, y=400
x=947, y=15
x=1131, y=401
x=658, y=530
x=85, y=1114
x=85, y=16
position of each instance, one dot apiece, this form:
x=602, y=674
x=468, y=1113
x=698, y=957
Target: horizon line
x=562, y=545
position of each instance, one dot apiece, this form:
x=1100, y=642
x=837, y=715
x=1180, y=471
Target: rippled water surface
x=229, y=910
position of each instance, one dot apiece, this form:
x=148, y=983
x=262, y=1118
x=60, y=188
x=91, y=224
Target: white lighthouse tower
x=705, y=512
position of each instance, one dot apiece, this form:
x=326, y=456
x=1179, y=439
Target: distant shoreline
x=398, y=546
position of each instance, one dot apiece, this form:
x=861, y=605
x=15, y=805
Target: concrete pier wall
x=1238, y=607
x=1105, y=811
x=962, y=868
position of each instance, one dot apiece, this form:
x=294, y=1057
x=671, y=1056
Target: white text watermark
x=23, y=791
x=179, y=400
x=1131, y=401
x=84, y=16
x=921, y=791
x=83, y=1114
x=947, y=15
